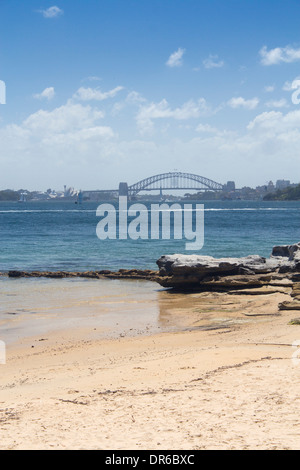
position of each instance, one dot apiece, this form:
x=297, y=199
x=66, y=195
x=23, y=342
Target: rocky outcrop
x=206, y=272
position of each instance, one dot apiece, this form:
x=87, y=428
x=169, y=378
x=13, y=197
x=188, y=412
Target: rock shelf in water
x=121, y=274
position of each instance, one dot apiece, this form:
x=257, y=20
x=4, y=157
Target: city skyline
x=161, y=185
x=101, y=92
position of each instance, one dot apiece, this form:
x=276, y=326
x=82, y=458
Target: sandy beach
x=205, y=371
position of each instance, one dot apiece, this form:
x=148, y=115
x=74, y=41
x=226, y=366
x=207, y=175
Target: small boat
x=79, y=198
x=22, y=198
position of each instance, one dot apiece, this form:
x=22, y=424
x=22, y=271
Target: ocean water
x=62, y=236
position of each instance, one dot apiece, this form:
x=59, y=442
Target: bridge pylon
x=123, y=189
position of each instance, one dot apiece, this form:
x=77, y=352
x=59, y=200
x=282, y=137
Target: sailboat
x=79, y=198
x=22, y=198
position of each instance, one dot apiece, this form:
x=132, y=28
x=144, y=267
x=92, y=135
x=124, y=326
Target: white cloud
x=213, y=62
x=175, y=59
x=265, y=120
x=269, y=88
x=282, y=103
x=241, y=102
x=92, y=78
x=52, y=12
x=267, y=149
x=277, y=122
x=133, y=98
x=72, y=144
x=53, y=147
x=206, y=128
x=67, y=118
x=210, y=132
x=47, y=94
x=162, y=110
x=89, y=94
x=278, y=55
x=287, y=86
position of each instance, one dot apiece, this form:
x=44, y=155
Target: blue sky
x=102, y=91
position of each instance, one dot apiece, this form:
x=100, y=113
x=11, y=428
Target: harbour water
x=62, y=236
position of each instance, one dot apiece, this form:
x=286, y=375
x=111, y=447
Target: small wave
x=260, y=209
x=44, y=211
x=210, y=209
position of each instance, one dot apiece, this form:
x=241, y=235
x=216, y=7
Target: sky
x=103, y=91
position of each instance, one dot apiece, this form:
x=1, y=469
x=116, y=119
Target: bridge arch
x=174, y=180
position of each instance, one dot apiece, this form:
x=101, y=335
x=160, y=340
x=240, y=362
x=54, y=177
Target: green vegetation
x=9, y=195
x=287, y=194
x=295, y=321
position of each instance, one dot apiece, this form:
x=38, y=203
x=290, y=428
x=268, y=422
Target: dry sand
x=226, y=378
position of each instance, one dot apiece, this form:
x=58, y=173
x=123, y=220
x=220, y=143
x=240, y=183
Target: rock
x=251, y=280
x=263, y=290
x=296, y=290
x=58, y=274
x=121, y=274
x=294, y=305
x=16, y=274
x=187, y=264
x=291, y=252
x=195, y=271
x=283, y=282
x=89, y=274
x=288, y=252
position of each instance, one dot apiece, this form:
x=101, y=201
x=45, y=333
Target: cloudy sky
x=103, y=91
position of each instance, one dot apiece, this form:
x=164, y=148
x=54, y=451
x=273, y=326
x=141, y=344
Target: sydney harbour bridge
x=165, y=181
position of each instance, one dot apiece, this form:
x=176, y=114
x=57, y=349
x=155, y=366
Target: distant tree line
x=9, y=195
x=287, y=194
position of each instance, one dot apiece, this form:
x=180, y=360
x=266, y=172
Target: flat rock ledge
x=121, y=274
x=204, y=273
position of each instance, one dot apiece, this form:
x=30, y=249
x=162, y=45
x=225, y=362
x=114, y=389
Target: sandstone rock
x=294, y=305
x=296, y=290
x=196, y=271
x=263, y=290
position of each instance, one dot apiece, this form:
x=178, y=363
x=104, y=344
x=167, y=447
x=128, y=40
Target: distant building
x=70, y=192
x=230, y=186
x=282, y=184
x=270, y=187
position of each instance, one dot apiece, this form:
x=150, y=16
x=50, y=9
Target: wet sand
x=127, y=365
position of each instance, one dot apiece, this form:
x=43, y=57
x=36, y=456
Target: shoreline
x=105, y=307
x=233, y=386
